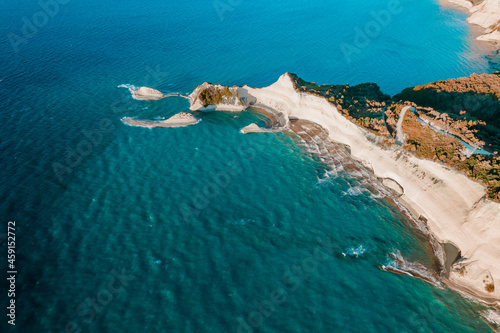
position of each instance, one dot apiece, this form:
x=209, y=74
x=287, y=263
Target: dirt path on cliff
x=400, y=136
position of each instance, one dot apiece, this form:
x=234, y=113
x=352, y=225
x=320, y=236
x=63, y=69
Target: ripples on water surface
x=122, y=206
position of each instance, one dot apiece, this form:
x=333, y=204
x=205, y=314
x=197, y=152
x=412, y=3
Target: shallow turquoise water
x=202, y=224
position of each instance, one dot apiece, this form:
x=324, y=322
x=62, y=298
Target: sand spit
x=453, y=207
x=278, y=121
x=181, y=119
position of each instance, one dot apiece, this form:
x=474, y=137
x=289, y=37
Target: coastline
x=277, y=120
x=485, y=14
x=338, y=157
x=452, y=206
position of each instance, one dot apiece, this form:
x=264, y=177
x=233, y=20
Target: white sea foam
x=323, y=181
x=354, y=191
x=355, y=251
x=130, y=87
x=493, y=317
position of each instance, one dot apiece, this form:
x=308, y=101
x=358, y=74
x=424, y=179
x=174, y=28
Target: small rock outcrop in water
x=209, y=97
x=147, y=93
x=179, y=120
x=144, y=93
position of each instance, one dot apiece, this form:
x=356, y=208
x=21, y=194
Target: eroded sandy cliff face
x=485, y=14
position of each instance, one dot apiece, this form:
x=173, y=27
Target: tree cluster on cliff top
x=468, y=107
x=213, y=95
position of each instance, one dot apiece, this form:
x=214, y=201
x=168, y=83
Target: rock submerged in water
x=181, y=119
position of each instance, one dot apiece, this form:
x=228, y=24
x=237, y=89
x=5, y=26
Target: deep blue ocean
x=204, y=229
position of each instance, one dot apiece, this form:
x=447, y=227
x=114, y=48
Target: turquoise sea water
x=198, y=229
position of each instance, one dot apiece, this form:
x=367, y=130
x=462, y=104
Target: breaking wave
x=355, y=251
x=493, y=317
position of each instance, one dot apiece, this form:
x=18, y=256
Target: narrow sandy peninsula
x=456, y=210
x=181, y=119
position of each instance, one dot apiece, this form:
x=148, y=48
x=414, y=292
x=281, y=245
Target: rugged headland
x=438, y=176
x=209, y=97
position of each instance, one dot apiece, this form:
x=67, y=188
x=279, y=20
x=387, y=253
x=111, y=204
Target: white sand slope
x=454, y=205
x=147, y=93
x=486, y=14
